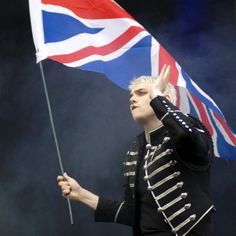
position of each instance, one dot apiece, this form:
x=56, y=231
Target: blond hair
x=169, y=90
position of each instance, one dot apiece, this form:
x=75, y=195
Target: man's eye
x=142, y=92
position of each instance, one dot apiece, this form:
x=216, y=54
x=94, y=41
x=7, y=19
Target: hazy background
x=92, y=116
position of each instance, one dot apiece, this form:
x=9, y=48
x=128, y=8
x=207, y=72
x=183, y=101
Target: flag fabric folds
x=101, y=36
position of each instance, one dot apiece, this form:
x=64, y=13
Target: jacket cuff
x=162, y=106
x=105, y=211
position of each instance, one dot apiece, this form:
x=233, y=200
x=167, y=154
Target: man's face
x=140, y=107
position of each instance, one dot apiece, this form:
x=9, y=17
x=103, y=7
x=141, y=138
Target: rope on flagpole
x=54, y=133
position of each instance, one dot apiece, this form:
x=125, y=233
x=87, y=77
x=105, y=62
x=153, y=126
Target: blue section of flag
x=225, y=149
x=192, y=110
x=134, y=63
x=203, y=99
x=58, y=27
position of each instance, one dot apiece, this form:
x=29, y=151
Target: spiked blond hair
x=170, y=89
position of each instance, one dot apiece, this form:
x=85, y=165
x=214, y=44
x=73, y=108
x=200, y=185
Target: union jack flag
x=101, y=36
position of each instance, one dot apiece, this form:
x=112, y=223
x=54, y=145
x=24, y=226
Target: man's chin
x=139, y=120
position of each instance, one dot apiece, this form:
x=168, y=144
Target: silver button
x=172, y=162
x=169, y=151
x=166, y=139
x=176, y=174
x=146, y=177
x=193, y=217
x=160, y=210
x=187, y=206
x=180, y=184
x=149, y=188
x=184, y=195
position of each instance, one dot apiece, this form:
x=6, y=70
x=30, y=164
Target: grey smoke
x=91, y=114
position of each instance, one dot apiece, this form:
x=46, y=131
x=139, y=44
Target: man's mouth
x=133, y=107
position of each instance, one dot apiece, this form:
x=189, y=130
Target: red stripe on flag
x=166, y=58
x=226, y=128
x=202, y=112
x=92, y=9
x=104, y=50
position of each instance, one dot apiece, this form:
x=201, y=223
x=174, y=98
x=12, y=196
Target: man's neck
x=151, y=126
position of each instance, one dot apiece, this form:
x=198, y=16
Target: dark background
x=92, y=116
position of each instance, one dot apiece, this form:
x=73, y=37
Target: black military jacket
x=177, y=173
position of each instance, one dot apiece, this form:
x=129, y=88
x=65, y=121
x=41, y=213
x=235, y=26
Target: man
x=166, y=169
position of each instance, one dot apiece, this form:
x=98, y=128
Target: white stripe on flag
x=184, y=102
x=214, y=135
x=204, y=94
x=155, y=57
x=181, y=81
x=110, y=56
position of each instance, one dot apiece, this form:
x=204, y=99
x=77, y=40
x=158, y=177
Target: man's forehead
x=140, y=87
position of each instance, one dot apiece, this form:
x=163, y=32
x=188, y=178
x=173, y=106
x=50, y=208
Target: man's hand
x=69, y=187
x=159, y=86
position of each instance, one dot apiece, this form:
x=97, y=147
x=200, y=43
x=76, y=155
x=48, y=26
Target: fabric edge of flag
x=35, y=10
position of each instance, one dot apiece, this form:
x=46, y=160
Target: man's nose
x=132, y=100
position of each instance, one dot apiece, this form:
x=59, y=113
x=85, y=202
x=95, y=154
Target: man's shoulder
x=135, y=142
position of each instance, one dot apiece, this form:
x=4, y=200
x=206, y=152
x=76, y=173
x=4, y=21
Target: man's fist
x=69, y=187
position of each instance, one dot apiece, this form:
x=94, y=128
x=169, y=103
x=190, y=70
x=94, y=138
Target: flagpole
x=54, y=133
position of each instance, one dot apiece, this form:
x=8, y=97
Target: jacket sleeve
x=115, y=211
x=191, y=142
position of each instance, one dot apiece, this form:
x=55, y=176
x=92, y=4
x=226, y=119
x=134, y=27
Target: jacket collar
x=155, y=136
